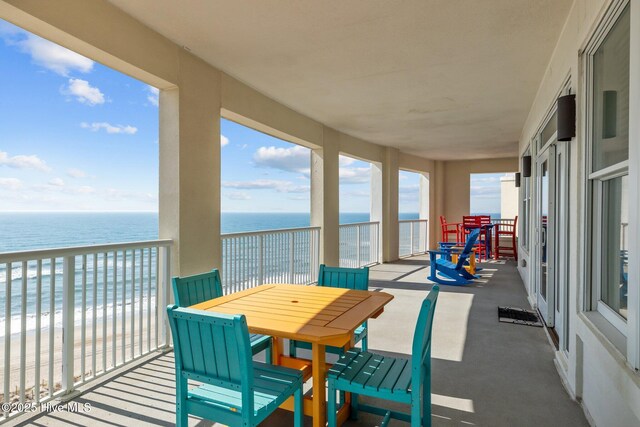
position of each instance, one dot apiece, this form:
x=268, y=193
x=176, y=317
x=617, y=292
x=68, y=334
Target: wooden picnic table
x=320, y=315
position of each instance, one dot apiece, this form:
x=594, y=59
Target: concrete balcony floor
x=485, y=373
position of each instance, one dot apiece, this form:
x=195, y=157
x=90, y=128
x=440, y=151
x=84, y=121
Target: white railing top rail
x=413, y=220
x=359, y=223
x=271, y=231
x=79, y=250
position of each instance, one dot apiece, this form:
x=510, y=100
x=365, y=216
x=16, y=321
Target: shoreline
x=30, y=359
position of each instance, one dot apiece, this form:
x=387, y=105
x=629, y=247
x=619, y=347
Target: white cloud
x=354, y=175
x=357, y=193
x=117, y=194
x=85, y=189
x=113, y=129
x=478, y=192
x=267, y=184
x=345, y=161
x=238, y=195
x=84, y=92
x=295, y=159
x=49, y=55
x=224, y=141
x=153, y=96
x=57, y=182
x=23, y=162
x=10, y=183
x=409, y=188
x=76, y=173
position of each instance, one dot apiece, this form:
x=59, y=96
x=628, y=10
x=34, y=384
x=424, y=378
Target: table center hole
x=294, y=301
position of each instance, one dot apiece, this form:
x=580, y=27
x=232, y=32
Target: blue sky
x=78, y=136
x=74, y=134
x=485, y=193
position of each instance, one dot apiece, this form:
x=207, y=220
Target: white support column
x=384, y=199
x=375, y=212
x=325, y=197
x=424, y=205
x=190, y=168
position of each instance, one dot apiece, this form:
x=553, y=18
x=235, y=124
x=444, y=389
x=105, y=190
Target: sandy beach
x=101, y=358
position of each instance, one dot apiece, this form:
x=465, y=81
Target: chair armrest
x=439, y=252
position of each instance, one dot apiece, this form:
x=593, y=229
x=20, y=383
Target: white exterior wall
x=508, y=197
x=601, y=375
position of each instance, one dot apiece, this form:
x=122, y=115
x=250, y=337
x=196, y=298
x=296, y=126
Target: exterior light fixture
x=517, y=179
x=566, y=117
x=526, y=166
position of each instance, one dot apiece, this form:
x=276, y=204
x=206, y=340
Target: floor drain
x=519, y=316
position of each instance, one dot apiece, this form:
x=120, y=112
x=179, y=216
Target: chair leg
x=269, y=356
x=415, y=412
x=365, y=343
x=331, y=405
x=426, y=401
x=354, y=406
x=298, y=411
x=182, y=417
x=292, y=348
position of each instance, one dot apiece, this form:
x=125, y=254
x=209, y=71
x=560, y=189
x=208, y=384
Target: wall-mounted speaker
x=526, y=166
x=517, y=179
x=566, y=117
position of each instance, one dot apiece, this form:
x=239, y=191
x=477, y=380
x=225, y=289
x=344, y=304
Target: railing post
x=68, y=327
x=358, y=244
x=164, y=294
x=292, y=245
x=261, y=259
x=411, y=238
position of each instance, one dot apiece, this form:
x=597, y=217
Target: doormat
x=519, y=316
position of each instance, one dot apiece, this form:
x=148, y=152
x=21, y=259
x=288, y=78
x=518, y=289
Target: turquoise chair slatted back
x=466, y=252
x=346, y=278
x=422, y=335
x=421, y=349
x=212, y=348
x=190, y=290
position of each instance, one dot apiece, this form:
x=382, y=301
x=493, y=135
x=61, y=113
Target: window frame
x=525, y=205
x=595, y=180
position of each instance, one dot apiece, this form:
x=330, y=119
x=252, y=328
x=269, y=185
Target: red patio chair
x=471, y=222
x=508, y=231
x=447, y=230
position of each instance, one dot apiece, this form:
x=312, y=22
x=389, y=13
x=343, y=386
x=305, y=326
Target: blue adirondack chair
x=455, y=274
x=213, y=349
x=346, y=278
x=198, y=288
x=396, y=379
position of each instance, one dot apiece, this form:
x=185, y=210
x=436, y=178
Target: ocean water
x=29, y=231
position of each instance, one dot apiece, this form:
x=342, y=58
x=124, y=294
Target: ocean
x=26, y=231
x=29, y=231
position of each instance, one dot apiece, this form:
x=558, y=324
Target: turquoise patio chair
x=403, y=380
x=190, y=290
x=213, y=349
x=346, y=278
x=455, y=274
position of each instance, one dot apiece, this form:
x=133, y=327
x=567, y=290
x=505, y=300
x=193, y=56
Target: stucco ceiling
x=445, y=79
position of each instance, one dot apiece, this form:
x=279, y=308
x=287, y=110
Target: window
x=608, y=170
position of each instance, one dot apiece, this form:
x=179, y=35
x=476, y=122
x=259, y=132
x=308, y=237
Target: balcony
x=484, y=372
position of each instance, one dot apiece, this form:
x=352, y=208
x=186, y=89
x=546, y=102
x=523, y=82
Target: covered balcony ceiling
x=438, y=78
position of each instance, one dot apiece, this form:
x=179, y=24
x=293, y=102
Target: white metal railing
x=359, y=244
x=273, y=256
x=413, y=237
x=71, y=315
